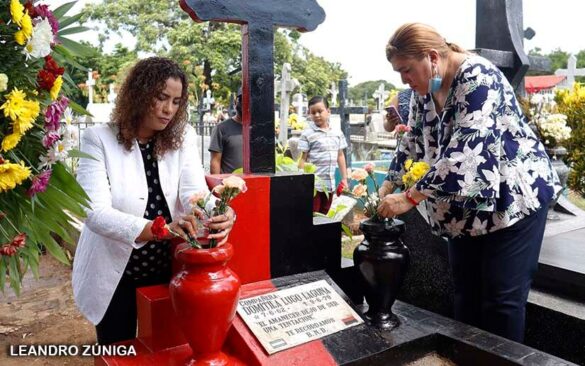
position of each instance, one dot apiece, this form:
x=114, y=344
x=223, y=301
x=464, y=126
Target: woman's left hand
x=223, y=224
x=394, y=204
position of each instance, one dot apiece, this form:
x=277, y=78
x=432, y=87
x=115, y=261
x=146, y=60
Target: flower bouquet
x=553, y=129
x=229, y=188
x=38, y=195
x=361, y=191
x=413, y=172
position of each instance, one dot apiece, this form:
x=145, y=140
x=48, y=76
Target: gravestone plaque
x=296, y=315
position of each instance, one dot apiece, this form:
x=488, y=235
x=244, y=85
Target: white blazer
x=116, y=184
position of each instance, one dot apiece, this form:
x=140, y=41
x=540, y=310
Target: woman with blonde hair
x=489, y=183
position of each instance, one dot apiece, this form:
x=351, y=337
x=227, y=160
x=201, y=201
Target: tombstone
x=208, y=100
x=286, y=85
x=344, y=112
x=334, y=92
x=571, y=71
x=380, y=95
x=112, y=94
x=90, y=82
x=499, y=37
x=300, y=104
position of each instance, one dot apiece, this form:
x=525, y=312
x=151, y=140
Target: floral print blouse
x=488, y=169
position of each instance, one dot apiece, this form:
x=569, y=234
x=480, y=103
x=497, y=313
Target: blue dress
x=488, y=169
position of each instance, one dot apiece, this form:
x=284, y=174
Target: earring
x=436, y=80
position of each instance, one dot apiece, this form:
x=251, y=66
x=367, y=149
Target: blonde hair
x=415, y=40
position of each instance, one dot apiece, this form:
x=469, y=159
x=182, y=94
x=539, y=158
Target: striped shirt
x=323, y=147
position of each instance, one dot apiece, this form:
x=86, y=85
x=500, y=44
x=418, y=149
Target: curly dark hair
x=145, y=82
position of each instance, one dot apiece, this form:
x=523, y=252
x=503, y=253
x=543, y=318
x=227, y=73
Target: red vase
x=204, y=294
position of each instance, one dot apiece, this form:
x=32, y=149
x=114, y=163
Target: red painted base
x=240, y=347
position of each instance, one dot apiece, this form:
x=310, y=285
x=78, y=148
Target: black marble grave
x=421, y=332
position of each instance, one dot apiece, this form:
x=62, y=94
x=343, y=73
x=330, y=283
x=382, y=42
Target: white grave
x=334, y=92
x=570, y=72
x=99, y=112
x=380, y=95
x=286, y=86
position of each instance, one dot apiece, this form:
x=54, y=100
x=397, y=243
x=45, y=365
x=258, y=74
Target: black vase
x=382, y=260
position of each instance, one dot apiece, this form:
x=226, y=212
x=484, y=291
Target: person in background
x=226, y=142
x=322, y=146
x=401, y=101
x=490, y=181
x=144, y=164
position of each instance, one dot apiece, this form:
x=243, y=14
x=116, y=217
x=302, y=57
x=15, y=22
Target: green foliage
x=30, y=216
x=365, y=90
x=161, y=26
x=572, y=104
x=558, y=60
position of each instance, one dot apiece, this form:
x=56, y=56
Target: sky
x=355, y=32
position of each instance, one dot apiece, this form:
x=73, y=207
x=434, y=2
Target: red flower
x=46, y=79
x=8, y=250
x=19, y=241
x=52, y=66
x=340, y=189
x=159, y=228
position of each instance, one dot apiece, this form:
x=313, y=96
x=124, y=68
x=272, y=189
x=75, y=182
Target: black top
x=153, y=260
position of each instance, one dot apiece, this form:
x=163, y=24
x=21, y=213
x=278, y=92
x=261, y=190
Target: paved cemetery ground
x=43, y=314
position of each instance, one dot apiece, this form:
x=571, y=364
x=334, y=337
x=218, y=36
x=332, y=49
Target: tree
x=211, y=52
x=364, y=91
x=108, y=69
x=559, y=59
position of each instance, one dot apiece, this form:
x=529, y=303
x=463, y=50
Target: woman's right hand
x=185, y=226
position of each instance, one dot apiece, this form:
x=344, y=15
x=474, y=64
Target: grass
x=576, y=199
x=348, y=245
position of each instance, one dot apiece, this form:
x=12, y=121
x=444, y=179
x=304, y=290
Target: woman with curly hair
x=144, y=164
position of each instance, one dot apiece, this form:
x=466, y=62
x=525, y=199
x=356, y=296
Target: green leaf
x=73, y=30
x=54, y=248
x=2, y=273
x=67, y=21
x=77, y=49
x=14, y=274
x=77, y=108
x=63, y=9
x=74, y=153
x=346, y=230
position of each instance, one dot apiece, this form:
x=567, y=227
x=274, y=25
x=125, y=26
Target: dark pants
x=492, y=274
x=119, y=322
x=322, y=203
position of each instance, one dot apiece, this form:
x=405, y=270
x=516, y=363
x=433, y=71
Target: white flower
x=3, y=82
x=39, y=45
x=359, y=174
x=359, y=190
x=536, y=99
x=68, y=116
x=234, y=182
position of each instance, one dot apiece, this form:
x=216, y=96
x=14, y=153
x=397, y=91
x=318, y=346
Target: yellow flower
x=21, y=111
x=56, y=88
x=26, y=25
x=20, y=38
x=14, y=104
x=16, y=10
x=12, y=175
x=407, y=164
x=10, y=141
